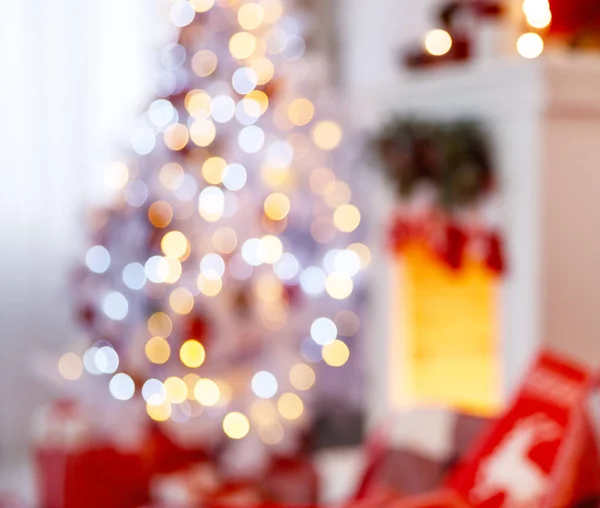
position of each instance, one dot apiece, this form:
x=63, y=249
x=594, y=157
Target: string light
x=236, y=425
x=158, y=350
x=290, y=406
x=438, y=42
x=70, y=366
x=530, y=45
x=192, y=354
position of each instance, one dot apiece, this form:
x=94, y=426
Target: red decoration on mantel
x=572, y=17
x=449, y=239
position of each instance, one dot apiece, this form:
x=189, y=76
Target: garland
x=444, y=178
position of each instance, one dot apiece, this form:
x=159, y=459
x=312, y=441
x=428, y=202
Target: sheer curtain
x=73, y=75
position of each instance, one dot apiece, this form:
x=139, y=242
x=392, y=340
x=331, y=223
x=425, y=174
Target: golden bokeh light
x=160, y=325
x=158, y=350
x=116, y=175
x=190, y=381
x=339, y=286
x=336, y=354
x=174, y=244
x=207, y=392
x=209, y=287
x=364, y=253
x=271, y=433
x=159, y=413
x=181, y=301
x=170, y=270
x=273, y=249
x=192, y=354
x=160, y=214
x=537, y=13
x=264, y=69
x=202, y=5
x=236, y=425
x=327, y=135
x=277, y=206
x=274, y=176
x=438, y=42
x=301, y=111
x=225, y=392
x=250, y=16
x=224, y=240
x=203, y=132
x=302, y=377
x=346, y=218
x=337, y=193
x=273, y=10
x=70, y=366
x=213, y=169
x=260, y=98
x=242, y=45
x=320, y=180
x=290, y=406
x=177, y=137
x=530, y=45
x=176, y=389
x=204, y=63
x=263, y=411
x=198, y=103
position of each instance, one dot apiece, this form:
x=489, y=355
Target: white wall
x=71, y=71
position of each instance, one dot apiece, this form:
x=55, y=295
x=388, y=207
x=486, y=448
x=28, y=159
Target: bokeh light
x=207, y=392
x=323, y=331
x=176, y=390
x=160, y=214
x=346, y=218
x=302, y=377
x=236, y=425
x=158, y=350
x=203, y=132
x=271, y=432
x=224, y=240
x=116, y=175
x=264, y=385
x=530, y=45
x=177, y=137
x=181, y=301
x=204, y=63
x=438, y=42
x=159, y=412
x=290, y=406
x=242, y=45
x=339, y=286
x=192, y=354
x=160, y=325
x=250, y=16
x=97, y=259
x=277, y=206
x=70, y=366
x=336, y=354
x=327, y=135
x=202, y=5
x=122, y=387
x=301, y=111
x=174, y=244
x=212, y=170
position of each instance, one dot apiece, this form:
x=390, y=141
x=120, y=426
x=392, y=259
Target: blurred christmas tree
x=222, y=282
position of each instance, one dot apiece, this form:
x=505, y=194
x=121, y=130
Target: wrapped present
x=542, y=452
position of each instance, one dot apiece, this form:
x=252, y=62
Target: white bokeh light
x=154, y=392
x=106, y=360
x=323, y=331
x=212, y=267
x=287, y=267
x=182, y=13
x=264, y=385
x=97, y=259
x=235, y=177
x=115, y=306
x=222, y=109
x=280, y=154
x=347, y=262
x=89, y=361
x=254, y=252
x=251, y=139
x=162, y=113
x=244, y=80
x=122, y=387
x=134, y=276
x=313, y=281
